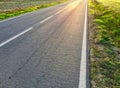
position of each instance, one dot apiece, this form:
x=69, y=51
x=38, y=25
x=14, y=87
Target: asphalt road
x=48, y=54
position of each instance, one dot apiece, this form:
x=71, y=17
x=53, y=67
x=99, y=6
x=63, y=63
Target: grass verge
x=15, y=12
x=104, y=29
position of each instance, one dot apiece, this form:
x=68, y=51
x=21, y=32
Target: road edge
x=84, y=69
x=20, y=15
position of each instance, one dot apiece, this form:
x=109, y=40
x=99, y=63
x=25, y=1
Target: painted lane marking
x=61, y=10
x=46, y=19
x=58, y=12
x=16, y=17
x=83, y=66
x=16, y=36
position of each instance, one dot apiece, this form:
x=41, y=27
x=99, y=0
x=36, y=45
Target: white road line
x=60, y=11
x=9, y=19
x=12, y=18
x=46, y=19
x=83, y=67
x=16, y=36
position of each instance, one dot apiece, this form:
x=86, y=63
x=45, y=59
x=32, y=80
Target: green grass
x=18, y=11
x=6, y=5
x=105, y=43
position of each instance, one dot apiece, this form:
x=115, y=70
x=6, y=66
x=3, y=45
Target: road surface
x=42, y=49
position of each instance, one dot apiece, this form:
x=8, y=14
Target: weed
x=18, y=11
x=105, y=63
